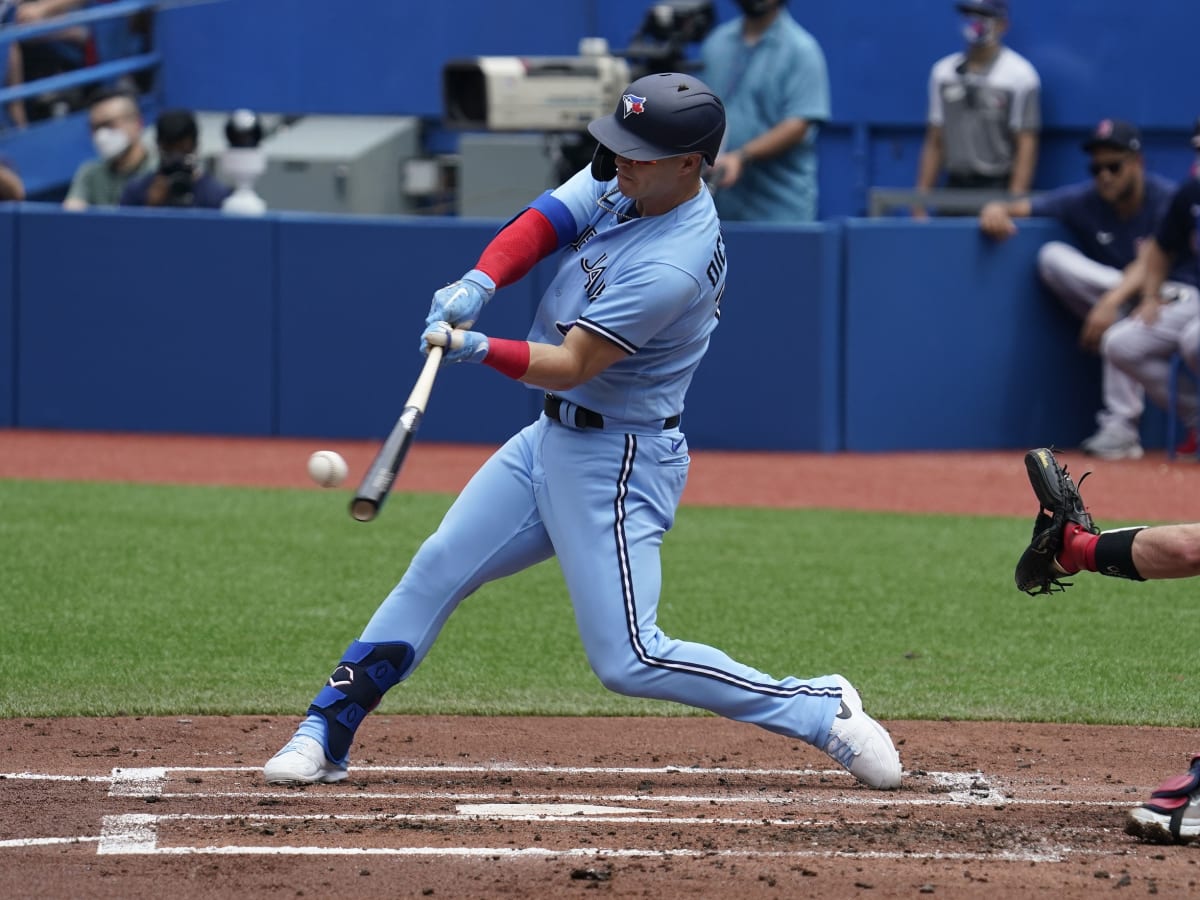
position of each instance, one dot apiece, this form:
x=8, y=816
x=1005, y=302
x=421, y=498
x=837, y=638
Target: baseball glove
x=1038, y=571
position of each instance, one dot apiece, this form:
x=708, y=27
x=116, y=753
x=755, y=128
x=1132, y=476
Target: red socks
x=1079, y=549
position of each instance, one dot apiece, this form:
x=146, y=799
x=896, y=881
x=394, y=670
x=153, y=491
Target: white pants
x=1079, y=282
x=1143, y=352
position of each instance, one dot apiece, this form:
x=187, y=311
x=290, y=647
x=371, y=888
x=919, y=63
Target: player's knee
x=619, y=676
x=1118, y=347
x=1052, y=259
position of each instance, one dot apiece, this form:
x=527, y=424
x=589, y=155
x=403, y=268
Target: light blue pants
x=601, y=502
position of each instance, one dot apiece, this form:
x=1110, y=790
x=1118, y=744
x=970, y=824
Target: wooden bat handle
x=419, y=398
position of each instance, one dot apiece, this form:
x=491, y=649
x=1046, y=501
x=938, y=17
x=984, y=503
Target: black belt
x=586, y=418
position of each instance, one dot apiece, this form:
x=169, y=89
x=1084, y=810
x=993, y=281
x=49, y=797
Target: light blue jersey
x=651, y=285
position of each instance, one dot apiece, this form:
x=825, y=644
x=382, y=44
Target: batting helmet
x=659, y=115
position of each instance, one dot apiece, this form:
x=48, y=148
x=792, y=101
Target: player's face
x=1115, y=173
x=652, y=183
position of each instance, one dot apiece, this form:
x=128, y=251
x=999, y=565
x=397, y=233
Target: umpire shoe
x=861, y=744
x=1172, y=815
x=302, y=761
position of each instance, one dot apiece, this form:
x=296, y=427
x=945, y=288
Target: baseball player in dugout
x=1101, y=276
x=1066, y=541
x=595, y=480
x=984, y=111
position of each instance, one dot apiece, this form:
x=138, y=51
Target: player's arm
x=1024, y=163
x=778, y=139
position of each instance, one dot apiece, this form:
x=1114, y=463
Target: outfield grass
x=156, y=600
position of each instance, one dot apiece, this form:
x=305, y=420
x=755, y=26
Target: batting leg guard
x=355, y=688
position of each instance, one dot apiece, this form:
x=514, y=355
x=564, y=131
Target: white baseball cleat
x=861, y=744
x=302, y=761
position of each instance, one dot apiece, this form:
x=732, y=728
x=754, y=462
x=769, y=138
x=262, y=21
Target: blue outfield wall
x=862, y=335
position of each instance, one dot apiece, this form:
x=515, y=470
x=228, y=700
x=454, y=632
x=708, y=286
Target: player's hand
x=995, y=222
x=461, y=302
x=461, y=346
x=1098, y=320
x=727, y=169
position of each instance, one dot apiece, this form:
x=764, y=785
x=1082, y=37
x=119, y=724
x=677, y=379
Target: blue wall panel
x=8, y=313
x=145, y=321
x=952, y=343
x=771, y=378
x=353, y=298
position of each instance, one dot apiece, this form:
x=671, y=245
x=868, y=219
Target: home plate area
x=486, y=807
x=512, y=811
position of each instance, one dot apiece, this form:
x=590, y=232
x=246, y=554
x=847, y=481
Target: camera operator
x=179, y=181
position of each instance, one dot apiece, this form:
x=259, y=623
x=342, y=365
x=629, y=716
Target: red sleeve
x=520, y=246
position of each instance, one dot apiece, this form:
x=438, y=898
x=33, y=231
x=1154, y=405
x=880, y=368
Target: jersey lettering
x=594, y=272
x=584, y=236
x=716, y=266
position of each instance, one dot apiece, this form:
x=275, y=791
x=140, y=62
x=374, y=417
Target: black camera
x=180, y=172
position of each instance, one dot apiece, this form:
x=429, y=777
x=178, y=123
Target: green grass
x=154, y=600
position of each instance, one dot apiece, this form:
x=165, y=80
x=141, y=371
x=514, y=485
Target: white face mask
x=110, y=143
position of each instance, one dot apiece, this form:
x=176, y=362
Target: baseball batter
x=596, y=479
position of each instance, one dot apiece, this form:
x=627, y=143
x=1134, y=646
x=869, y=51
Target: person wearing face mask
x=179, y=180
x=116, y=125
x=984, y=111
x=1098, y=275
x=771, y=75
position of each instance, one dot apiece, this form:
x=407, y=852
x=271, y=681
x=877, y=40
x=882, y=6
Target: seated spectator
x=1166, y=319
x=984, y=111
x=179, y=180
x=116, y=124
x=1099, y=278
x=11, y=186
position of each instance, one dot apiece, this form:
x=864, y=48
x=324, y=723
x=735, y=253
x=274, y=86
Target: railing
x=102, y=71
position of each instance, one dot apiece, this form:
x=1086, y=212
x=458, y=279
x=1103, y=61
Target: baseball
x=327, y=468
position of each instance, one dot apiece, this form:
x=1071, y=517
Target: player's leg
x=607, y=502
x=1143, y=351
x=1172, y=814
x=490, y=531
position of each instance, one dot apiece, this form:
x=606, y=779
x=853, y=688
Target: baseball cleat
x=861, y=745
x=302, y=761
x=1172, y=815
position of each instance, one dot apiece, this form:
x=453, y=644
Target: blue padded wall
x=353, y=298
x=952, y=343
x=144, y=321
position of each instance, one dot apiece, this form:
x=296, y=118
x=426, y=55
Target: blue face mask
x=979, y=31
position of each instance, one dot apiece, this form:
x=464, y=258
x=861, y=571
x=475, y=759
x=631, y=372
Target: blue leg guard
x=355, y=688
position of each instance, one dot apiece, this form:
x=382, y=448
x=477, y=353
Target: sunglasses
x=638, y=162
x=1112, y=168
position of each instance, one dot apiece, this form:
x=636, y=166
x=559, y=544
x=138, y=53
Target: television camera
x=563, y=94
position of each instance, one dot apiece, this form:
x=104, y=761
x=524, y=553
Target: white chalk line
x=138, y=833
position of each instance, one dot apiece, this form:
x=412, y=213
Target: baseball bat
x=377, y=482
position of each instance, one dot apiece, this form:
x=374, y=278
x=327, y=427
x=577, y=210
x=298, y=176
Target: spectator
x=771, y=75
x=1166, y=319
x=984, y=111
x=14, y=67
x=53, y=54
x=179, y=180
x=1108, y=217
x=11, y=186
x=116, y=125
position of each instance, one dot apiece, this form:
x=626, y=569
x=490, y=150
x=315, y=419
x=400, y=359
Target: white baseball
x=327, y=468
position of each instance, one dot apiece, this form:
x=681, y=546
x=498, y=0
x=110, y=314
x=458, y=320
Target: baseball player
x=596, y=479
x=1100, y=278
x=1066, y=541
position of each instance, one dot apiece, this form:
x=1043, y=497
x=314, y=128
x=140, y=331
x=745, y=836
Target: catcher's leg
x=1172, y=815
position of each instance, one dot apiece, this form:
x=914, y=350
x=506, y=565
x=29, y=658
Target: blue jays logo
x=594, y=272
x=634, y=105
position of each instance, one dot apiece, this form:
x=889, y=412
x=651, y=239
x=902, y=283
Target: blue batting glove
x=461, y=346
x=461, y=302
